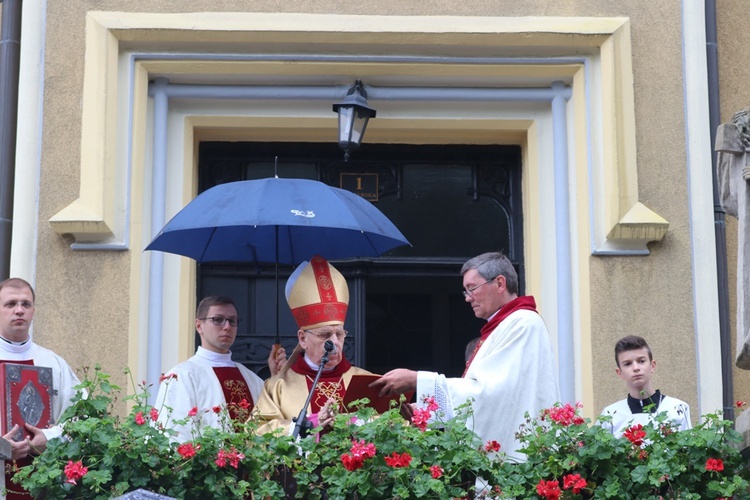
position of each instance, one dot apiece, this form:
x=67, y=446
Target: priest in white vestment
x=17, y=309
x=199, y=389
x=511, y=371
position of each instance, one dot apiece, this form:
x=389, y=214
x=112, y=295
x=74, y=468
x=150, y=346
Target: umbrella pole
x=277, y=345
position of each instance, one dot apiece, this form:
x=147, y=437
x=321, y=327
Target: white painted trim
x=700, y=206
x=28, y=141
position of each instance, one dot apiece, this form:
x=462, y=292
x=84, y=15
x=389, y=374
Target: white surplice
x=512, y=373
x=197, y=386
x=678, y=413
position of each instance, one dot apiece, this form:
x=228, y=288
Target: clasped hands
x=34, y=444
x=327, y=414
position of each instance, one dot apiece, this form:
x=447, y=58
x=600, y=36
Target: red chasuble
x=526, y=302
x=14, y=491
x=236, y=392
x=329, y=386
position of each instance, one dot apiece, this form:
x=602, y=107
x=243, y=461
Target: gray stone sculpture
x=733, y=169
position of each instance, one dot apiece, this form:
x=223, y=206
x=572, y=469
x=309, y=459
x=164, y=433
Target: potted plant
x=569, y=458
x=101, y=456
x=370, y=456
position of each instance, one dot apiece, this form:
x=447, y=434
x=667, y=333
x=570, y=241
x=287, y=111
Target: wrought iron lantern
x=354, y=113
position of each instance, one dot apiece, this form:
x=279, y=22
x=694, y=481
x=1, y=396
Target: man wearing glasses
x=201, y=387
x=318, y=296
x=511, y=370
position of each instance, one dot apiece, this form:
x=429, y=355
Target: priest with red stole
x=198, y=389
x=318, y=296
x=511, y=370
x=17, y=307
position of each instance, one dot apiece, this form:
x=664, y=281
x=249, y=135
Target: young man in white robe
x=636, y=366
x=17, y=307
x=199, y=389
x=511, y=370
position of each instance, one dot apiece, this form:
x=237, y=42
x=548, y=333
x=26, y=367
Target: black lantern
x=353, y=117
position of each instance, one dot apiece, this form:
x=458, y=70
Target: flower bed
x=369, y=457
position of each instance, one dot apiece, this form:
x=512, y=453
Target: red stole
x=236, y=392
x=330, y=385
x=15, y=491
x=525, y=302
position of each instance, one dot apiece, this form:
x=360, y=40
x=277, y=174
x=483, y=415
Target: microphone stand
x=302, y=425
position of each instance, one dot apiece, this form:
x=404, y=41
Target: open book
x=358, y=389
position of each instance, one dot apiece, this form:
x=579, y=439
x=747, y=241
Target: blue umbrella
x=281, y=221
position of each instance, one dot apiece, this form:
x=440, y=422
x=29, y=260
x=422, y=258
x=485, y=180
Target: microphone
x=302, y=426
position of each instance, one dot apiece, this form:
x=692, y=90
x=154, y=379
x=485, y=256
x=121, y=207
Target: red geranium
x=436, y=471
x=362, y=449
x=635, y=434
x=352, y=462
x=492, y=445
x=548, y=489
x=74, y=471
x=359, y=452
x=167, y=377
x=232, y=456
x=430, y=403
x=397, y=460
x=139, y=418
x=420, y=418
x=574, y=482
x=715, y=464
x=565, y=415
x=187, y=450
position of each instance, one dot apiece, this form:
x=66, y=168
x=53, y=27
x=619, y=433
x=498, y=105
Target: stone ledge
x=143, y=495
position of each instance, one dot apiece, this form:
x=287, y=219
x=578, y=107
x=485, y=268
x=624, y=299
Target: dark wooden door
x=406, y=308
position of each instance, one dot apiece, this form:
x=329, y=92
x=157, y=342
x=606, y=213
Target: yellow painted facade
x=82, y=241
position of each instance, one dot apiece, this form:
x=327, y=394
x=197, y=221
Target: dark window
x=406, y=309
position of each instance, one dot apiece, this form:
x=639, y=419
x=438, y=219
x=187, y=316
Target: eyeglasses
x=328, y=334
x=469, y=292
x=220, y=321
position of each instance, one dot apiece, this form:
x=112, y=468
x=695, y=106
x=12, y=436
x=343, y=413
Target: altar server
x=198, y=390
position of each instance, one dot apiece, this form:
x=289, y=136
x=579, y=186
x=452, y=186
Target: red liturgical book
x=25, y=397
x=358, y=389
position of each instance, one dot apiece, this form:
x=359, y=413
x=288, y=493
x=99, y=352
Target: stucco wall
x=652, y=296
x=83, y=296
x=82, y=308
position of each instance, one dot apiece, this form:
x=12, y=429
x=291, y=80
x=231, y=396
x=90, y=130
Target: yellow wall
x=85, y=297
